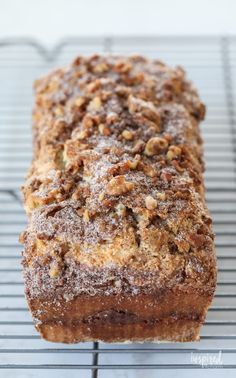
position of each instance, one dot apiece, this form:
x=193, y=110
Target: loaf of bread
x=119, y=245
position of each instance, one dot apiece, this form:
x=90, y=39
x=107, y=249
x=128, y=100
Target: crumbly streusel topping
x=117, y=172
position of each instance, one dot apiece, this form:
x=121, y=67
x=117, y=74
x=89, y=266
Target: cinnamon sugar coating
x=116, y=181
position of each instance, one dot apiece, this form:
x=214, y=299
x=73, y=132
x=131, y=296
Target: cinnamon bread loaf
x=119, y=245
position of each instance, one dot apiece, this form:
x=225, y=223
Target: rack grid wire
x=211, y=64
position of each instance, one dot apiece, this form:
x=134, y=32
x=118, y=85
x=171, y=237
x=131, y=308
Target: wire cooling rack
x=211, y=64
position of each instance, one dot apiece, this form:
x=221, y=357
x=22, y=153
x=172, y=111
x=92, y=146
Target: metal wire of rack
x=211, y=64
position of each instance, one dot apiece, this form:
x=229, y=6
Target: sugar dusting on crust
x=79, y=279
x=110, y=132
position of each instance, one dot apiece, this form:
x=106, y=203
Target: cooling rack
x=211, y=64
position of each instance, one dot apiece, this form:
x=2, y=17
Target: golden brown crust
x=115, y=193
x=163, y=315
x=180, y=330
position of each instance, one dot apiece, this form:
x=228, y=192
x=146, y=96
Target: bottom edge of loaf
x=179, y=331
x=170, y=315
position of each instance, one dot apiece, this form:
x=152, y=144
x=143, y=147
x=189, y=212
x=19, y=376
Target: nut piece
x=95, y=103
x=93, y=86
x=121, y=210
x=150, y=203
x=54, y=272
x=122, y=67
x=166, y=176
x=173, y=152
x=77, y=194
x=128, y=135
x=117, y=186
x=86, y=215
x=79, y=101
x=149, y=171
x=81, y=135
x=103, y=129
x=155, y=145
x=87, y=122
x=101, y=196
x=100, y=67
x=139, y=146
x=59, y=111
x=133, y=163
x=161, y=196
x=146, y=108
x=111, y=118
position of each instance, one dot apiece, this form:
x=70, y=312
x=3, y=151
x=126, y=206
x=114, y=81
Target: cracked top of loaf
x=116, y=180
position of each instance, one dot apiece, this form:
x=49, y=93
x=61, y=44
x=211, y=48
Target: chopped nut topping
x=122, y=67
x=77, y=194
x=117, y=186
x=173, y=152
x=41, y=245
x=146, y=123
x=139, y=77
x=93, y=86
x=155, y=145
x=95, y=103
x=133, y=163
x=82, y=135
x=112, y=118
x=87, y=121
x=178, y=168
x=102, y=113
x=166, y=176
x=80, y=212
x=54, y=272
x=128, y=135
x=136, y=104
x=121, y=210
x=100, y=67
x=86, y=216
x=161, y=196
x=79, y=101
x=148, y=169
x=147, y=109
x=139, y=146
x=101, y=196
x=103, y=129
x=59, y=111
x=152, y=115
x=150, y=203
x=123, y=91
x=53, y=86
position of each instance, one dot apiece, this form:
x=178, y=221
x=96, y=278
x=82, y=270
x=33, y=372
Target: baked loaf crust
x=119, y=244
